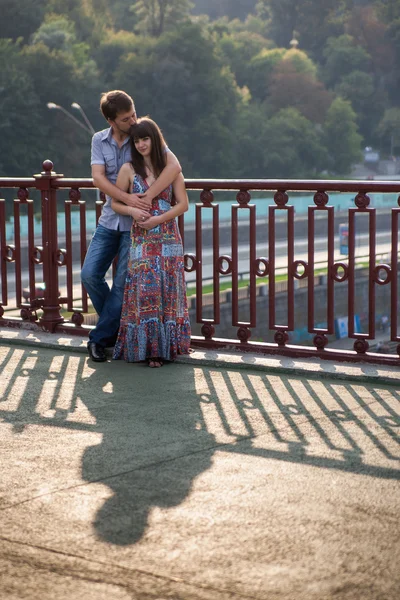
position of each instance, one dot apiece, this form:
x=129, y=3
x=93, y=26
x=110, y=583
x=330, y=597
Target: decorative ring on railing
x=398, y=349
x=206, y=197
x=243, y=197
x=220, y=268
x=321, y=199
x=37, y=255
x=77, y=318
x=362, y=200
x=281, y=198
x=361, y=346
x=9, y=253
x=74, y=195
x=294, y=269
x=208, y=330
x=387, y=270
x=102, y=198
x=262, y=261
x=281, y=337
x=320, y=341
x=23, y=194
x=61, y=257
x=335, y=271
x=191, y=257
x=244, y=334
x=1, y=311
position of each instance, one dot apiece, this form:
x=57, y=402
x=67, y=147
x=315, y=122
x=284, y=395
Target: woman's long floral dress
x=154, y=319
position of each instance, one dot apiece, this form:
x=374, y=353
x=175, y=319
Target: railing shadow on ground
x=158, y=436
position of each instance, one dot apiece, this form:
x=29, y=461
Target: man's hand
x=136, y=201
x=147, y=197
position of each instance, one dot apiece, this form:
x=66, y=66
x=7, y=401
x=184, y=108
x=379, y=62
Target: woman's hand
x=150, y=222
x=139, y=215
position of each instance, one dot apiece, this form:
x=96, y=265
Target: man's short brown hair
x=114, y=102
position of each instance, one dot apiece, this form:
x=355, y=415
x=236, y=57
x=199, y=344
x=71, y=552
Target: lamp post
x=84, y=115
x=53, y=106
x=87, y=126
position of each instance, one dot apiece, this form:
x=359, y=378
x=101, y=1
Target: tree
x=78, y=12
x=233, y=9
x=238, y=49
x=358, y=87
x=20, y=18
x=311, y=21
x=20, y=119
x=389, y=11
x=341, y=137
x=342, y=56
x=181, y=82
x=298, y=90
x=159, y=15
x=115, y=47
x=389, y=130
x=260, y=71
x=301, y=62
x=56, y=32
x=280, y=146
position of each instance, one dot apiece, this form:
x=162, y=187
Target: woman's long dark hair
x=146, y=127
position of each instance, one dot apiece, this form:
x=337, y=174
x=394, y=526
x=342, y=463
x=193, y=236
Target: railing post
x=51, y=305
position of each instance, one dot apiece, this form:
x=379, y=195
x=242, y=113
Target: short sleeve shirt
x=105, y=151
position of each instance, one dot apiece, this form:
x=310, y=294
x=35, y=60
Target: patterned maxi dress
x=154, y=319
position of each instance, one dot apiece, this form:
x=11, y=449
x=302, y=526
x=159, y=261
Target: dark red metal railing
x=42, y=305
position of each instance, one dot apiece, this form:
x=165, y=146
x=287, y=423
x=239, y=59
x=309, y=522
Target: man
x=110, y=150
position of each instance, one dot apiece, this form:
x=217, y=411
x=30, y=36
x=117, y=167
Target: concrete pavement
x=218, y=477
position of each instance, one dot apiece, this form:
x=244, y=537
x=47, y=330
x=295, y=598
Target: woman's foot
x=155, y=363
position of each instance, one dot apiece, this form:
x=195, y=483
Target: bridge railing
x=40, y=283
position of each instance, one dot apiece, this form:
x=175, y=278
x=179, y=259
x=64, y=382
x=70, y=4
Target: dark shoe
x=96, y=352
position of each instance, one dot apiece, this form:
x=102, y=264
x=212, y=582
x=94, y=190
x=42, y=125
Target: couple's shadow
x=154, y=443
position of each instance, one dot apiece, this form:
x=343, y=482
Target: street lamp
x=88, y=127
x=84, y=115
x=53, y=106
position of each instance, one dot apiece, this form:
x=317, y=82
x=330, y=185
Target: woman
x=155, y=322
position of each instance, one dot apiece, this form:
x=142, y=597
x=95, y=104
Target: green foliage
x=233, y=9
x=341, y=137
x=116, y=48
x=368, y=109
x=238, y=49
x=260, y=71
x=181, y=82
x=310, y=21
x=301, y=62
x=284, y=145
x=20, y=18
x=56, y=32
x=389, y=130
x=232, y=97
x=157, y=16
x=77, y=11
x=20, y=115
x=342, y=56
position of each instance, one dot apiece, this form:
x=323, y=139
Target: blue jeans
x=106, y=244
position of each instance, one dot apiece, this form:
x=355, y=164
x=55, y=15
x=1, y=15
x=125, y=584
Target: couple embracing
x=144, y=314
